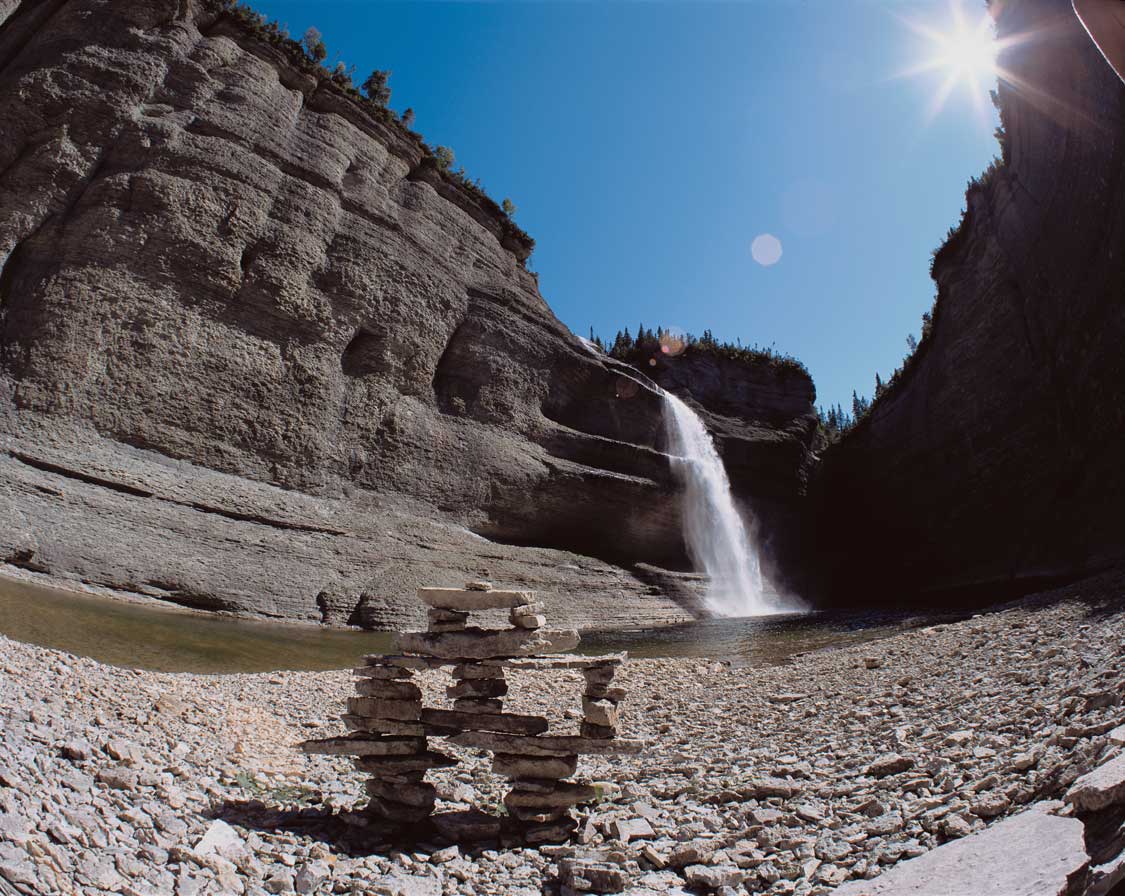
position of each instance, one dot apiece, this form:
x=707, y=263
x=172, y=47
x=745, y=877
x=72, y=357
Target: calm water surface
x=154, y=637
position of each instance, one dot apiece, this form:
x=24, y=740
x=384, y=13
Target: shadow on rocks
x=358, y=834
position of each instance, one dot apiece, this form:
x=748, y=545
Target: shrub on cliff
x=376, y=89
x=309, y=53
x=445, y=158
x=314, y=45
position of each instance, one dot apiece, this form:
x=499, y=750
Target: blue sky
x=647, y=144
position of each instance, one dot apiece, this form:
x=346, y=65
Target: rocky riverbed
x=780, y=780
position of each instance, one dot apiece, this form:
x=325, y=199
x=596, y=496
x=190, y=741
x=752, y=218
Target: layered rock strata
x=391, y=726
x=258, y=355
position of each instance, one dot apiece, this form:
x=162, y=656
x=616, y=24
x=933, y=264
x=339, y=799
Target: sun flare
x=965, y=50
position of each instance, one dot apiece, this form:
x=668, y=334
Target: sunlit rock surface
x=257, y=357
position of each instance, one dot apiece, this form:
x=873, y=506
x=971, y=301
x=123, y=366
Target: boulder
x=1031, y=854
x=1099, y=789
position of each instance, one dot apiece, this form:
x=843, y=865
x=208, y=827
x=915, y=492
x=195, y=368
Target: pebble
x=759, y=780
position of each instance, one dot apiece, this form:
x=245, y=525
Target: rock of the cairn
x=390, y=726
x=478, y=687
x=557, y=745
x=468, y=600
x=389, y=740
x=529, y=616
x=520, y=767
x=439, y=620
x=600, y=703
x=546, y=801
x=476, y=643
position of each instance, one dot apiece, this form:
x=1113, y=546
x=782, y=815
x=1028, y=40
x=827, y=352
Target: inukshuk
x=390, y=726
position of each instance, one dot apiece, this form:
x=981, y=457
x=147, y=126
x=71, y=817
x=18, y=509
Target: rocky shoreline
x=781, y=780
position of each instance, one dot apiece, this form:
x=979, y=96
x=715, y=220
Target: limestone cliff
x=259, y=355
x=997, y=457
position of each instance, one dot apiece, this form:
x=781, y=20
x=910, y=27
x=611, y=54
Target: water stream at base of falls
x=714, y=531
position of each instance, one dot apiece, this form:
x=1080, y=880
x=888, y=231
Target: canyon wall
x=260, y=355
x=995, y=461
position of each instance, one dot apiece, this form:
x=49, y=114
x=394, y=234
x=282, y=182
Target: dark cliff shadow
x=1101, y=593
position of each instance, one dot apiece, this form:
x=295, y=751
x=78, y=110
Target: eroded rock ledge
x=254, y=357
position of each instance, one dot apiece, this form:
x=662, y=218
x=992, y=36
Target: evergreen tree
x=859, y=406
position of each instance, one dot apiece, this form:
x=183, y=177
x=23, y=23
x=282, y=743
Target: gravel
x=791, y=779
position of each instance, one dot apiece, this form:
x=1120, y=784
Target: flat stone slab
x=364, y=745
x=547, y=745
x=399, y=661
x=1030, y=854
x=391, y=726
x=564, y=793
x=548, y=767
x=567, y=661
x=376, y=661
x=390, y=765
x=505, y=723
x=376, y=708
x=476, y=643
x=469, y=600
x=1099, y=789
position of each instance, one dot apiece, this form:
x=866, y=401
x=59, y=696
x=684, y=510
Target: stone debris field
x=992, y=745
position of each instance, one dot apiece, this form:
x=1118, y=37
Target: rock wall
x=258, y=355
x=995, y=460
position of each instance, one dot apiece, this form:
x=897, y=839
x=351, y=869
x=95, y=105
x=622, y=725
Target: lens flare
x=766, y=249
x=673, y=342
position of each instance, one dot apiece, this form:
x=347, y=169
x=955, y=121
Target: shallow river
x=150, y=636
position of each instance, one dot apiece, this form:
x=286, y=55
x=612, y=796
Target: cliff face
x=997, y=457
x=258, y=356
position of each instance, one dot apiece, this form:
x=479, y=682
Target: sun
x=967, y=53
x=964, y=49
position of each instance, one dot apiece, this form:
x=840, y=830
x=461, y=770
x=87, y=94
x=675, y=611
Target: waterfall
x=716, y=536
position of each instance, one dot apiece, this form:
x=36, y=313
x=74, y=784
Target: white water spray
x=716, y=536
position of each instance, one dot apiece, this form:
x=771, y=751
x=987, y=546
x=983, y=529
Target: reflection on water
x=153, y=637
x=762, y=640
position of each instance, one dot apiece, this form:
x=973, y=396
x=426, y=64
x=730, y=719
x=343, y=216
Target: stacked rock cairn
x=390, y=726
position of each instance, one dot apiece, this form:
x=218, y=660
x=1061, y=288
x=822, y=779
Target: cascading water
x=716, y=536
